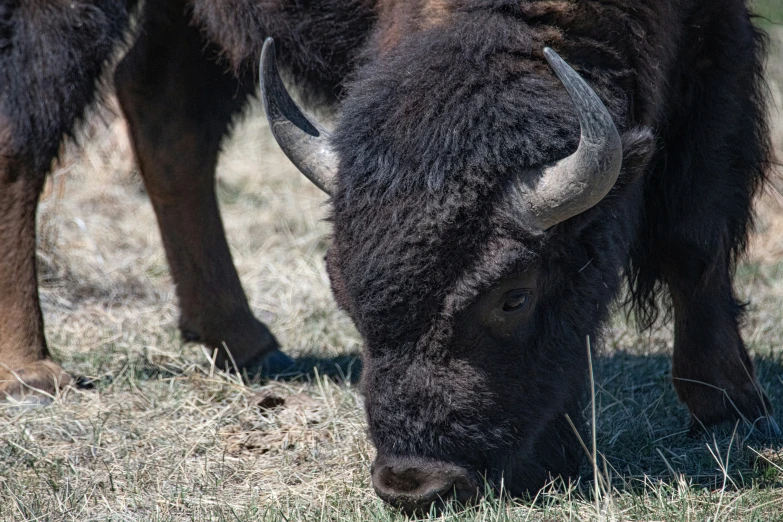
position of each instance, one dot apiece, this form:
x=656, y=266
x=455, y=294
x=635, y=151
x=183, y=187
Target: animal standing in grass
x=487, y=198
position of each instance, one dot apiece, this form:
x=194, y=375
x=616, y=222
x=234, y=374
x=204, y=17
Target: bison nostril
x=414, y=484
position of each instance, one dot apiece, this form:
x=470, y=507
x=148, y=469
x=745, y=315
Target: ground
x=161, y=435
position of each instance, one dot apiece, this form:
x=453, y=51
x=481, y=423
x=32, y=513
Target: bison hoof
x=712, y=405
x=36, y=382
x=243, y=345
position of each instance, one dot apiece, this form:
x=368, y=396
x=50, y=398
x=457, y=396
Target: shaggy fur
x=431, y=133
x=51, y=53
x=179, y=91
x=319, y=41
x=443, y=104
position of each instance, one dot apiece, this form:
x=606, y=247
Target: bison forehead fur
x=428, y=141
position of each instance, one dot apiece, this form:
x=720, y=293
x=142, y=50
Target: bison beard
x=473, y=309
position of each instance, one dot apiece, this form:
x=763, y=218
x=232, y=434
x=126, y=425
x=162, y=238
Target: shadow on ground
x=342, y=368
x=643, y=434
x=642, y=430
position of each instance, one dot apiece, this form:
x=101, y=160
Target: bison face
x=471, y=254
x=483, y=405
x=481, y=394
x=475, y=331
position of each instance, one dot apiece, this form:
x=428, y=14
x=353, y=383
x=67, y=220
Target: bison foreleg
x=711, y=369
x=23, y=354
x=179, y=105
x=51, y=54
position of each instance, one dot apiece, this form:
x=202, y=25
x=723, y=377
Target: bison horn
x=305, y=142
x=578, y=182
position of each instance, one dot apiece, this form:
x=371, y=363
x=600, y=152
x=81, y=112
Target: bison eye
x=516, y=300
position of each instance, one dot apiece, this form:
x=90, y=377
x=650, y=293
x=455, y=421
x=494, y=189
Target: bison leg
x=24, y=364
x=179, y=104
x=698, y=202
x=51, y=53
x=711, y=369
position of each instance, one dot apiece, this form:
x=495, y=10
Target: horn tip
x=268, y=48
x=551, y=56
x=267, y=65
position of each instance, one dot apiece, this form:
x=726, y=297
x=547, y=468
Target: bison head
x=471, y=254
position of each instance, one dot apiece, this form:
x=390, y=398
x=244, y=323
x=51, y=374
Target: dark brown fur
x=442, y=104
x=432, y=131
x=179, y=91
x=48, y=71
x=179, y=104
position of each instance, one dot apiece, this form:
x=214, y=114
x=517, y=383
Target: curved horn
x=305, y=142
x=578, y=182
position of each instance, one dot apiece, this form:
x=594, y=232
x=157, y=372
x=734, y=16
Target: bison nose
x=414, y=484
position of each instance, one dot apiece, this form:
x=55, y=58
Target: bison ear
x=304, y=141
x=639, y=146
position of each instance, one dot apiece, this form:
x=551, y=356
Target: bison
x=497, y=168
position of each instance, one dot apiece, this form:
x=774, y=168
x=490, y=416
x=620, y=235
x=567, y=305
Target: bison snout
x=414, y=484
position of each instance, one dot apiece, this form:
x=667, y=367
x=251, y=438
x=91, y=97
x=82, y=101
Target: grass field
x=772, y=10
x=163, y=436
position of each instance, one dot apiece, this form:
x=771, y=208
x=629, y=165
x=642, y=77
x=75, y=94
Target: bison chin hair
x=553, y=458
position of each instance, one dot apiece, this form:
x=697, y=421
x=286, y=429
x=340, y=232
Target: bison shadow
x=642, y=430
x=345, y=368
x=644, y=436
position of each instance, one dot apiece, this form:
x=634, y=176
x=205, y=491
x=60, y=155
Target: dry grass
x=768, y=243
x=163, y=436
